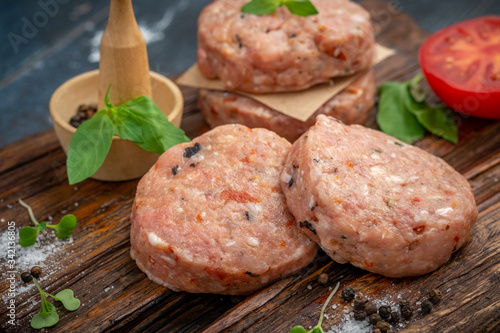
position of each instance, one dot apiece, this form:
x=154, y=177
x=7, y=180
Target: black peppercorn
x=395, y=318
x=348, y=294
x=404, y=303
x=360, y=302
x=323, y=278
x=383, y=326
x=36, y=271
x=359, y=315
x=384, y=311
x=426, y=307
x=406, y=312
x=370, y=308
x=374, y=319
x=435, y=296
x=26, y=277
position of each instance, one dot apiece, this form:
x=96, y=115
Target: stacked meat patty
x=210, y=216
x=282, y=53
x=382, y=205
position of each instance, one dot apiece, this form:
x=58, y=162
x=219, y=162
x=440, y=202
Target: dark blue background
x=63, y=39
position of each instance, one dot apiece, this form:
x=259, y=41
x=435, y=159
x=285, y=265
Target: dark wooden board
x=118, y=297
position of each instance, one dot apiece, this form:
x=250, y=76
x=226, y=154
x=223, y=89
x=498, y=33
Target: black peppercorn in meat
x=348, y=294
x=426, y=307
x=370, y=308
x=26, y=277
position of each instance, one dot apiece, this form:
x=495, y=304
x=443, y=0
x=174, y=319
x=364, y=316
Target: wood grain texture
x=117, y=297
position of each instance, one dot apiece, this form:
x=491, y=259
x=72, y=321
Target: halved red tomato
x=462, y=65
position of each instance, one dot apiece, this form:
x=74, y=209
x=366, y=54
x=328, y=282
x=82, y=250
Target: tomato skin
x=475, y=94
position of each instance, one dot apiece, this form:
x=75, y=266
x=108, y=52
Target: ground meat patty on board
x=382, y=205
x=282, y=51
x=351, y=106
x=210, y=216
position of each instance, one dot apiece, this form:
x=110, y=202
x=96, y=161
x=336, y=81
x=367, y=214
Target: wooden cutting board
x=117, y=297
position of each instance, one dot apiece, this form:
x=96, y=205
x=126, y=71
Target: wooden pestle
x=124, y=59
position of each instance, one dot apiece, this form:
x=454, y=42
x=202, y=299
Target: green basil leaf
x=261, y=7
x=437, y=120
x=301, y=7
x=392, y=116
x=27, y=236
x=140, y=120
x=89, y=146
x=65, y=226
x=416, y=91
x=68, y=299
x=47, y=317
x=298, y=329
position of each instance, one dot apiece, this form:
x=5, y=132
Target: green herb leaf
x=418, y=94
x=404, y=114
x=140, y=120
x=264, y=7
x=65, y=226
x=437, y=120
x=27, y=236
x=393, y=117
x=45, y=319
x=301, y=7
x=261, y=7
x=89, y=146
x=298, y=329
x=67, y=297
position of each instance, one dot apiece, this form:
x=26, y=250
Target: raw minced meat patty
x=351, y=106
x=210, y=216
x=382, y=205
x=282, y=51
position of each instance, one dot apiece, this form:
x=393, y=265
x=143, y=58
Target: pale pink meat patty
x=210, y=216
x=382, y=205
x=282, y=51
x=352, y=106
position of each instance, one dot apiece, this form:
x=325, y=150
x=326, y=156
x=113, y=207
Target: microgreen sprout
x=27, y=235
x=48, y=316
x=317, y=328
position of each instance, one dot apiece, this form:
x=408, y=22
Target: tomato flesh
x=462, y=65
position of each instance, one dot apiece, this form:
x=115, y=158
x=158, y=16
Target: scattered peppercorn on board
x=117, y=297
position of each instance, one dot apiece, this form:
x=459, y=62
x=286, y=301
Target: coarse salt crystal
x=309, y=287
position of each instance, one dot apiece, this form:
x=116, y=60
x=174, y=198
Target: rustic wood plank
x=118, y=297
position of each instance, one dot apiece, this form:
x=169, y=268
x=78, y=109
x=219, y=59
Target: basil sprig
x=296, y=7
x=139, y=120
x=404, y=114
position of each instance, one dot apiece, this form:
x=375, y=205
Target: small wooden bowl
x=125, y=160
